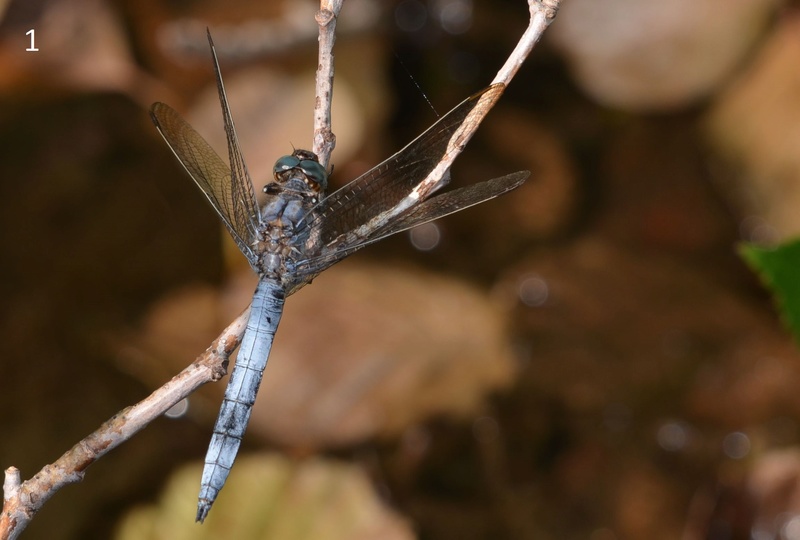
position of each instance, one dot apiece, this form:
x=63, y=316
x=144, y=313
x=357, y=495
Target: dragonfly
x=299, y=231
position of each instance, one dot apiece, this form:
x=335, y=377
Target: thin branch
x=23, y=500
x=324, y=139
x=542, y=13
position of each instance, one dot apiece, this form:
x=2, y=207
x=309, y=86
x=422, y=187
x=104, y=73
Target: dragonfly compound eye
x=284, y=164
x=315, y=172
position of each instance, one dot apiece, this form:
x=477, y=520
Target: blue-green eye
x=307, y=163
x=315, y=172
x=285, y=163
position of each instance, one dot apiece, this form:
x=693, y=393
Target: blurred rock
x=649, y=55
x=755, y=126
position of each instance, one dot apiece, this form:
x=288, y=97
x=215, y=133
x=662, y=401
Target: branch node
x=550, y=8
x=324, y=17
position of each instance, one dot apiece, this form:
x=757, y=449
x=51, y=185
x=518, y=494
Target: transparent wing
x=245, y=208
x=434, y=208
x=227, y=187
x=379, y=195
x=450, y=202
x=209, y=172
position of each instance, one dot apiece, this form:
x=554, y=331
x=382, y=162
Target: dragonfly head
x=301, y=165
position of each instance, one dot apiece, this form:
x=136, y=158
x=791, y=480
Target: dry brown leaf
x=370, y=351
x=177, y=329
x=365, y=351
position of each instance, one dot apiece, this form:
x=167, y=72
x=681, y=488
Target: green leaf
x=779, y=270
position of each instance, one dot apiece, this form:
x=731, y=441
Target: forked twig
x=21, y=500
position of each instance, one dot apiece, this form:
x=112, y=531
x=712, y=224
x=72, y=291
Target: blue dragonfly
x=300, y=231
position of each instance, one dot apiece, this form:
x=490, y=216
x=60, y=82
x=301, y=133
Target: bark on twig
x=22, y=500
x=324, y=139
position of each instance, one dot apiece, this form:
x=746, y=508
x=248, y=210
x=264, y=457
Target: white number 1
x=31, y=33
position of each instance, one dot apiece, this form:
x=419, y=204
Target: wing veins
x=433, y=208
x=380, y=190
x=205, y=167
x=226, y=186
x=245, y=208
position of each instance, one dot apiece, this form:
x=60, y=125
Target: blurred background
x=586, y=357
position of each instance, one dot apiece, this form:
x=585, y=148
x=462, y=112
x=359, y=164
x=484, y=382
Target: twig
x=542, y=14
x=324, y=139
x=21, y=501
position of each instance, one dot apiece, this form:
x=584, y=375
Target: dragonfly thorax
x=299, y=182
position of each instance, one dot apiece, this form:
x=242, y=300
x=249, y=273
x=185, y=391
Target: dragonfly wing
x=450, y=202
x=211, y=174
x=434, y=208
x=378, y=196
x=245, y=209
x=227, y=187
